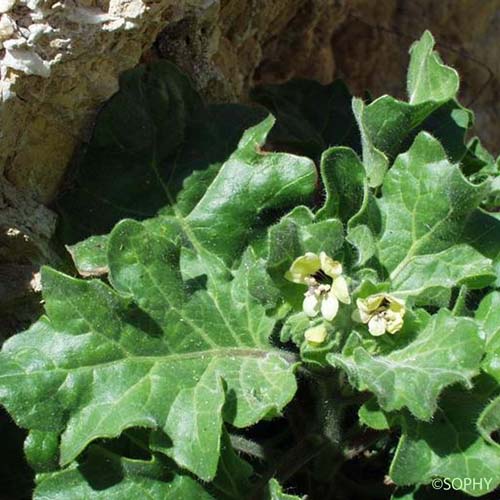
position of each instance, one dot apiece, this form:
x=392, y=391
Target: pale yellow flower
x=308, y=270
x=382, y=312
x=315, y=335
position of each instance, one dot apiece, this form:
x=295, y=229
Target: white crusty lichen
x=30, y=33
x=19, y=32
x=7, y=28
x=6, y=5
x=27, y=61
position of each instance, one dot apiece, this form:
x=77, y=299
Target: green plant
x=190, y=365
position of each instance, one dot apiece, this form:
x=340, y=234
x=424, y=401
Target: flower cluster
x=327, y=287
x=382, y=312
x=326, y=284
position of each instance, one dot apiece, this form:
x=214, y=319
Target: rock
x=6, y=5
x=25, y=228
x=7, y=28
x=60, y=63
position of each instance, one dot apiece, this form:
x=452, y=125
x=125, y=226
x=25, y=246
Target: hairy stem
x=248, y=447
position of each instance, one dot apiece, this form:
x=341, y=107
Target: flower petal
x=394, y=321
x=303, y=267
x=396, y=305
x=332, y=268
x=311, y=305
x=341, y=290
x=377, y=325
x=364, y=313
x=373, y=302
x=316, y=334
x=329, y=306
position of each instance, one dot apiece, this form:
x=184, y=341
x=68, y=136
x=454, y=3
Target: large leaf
x=488, y=316
x=347, y=196
x=90, y=256
x=225, y=215
x=134, y=384
x=180, y=342
x=426, y=205
x=154, y=131
x=105, y=475
x=345, y=183
x=428, y=78
x=386, y=124
x=450, y=446
x=120, y=370
x=414, y=376
x=489, y=422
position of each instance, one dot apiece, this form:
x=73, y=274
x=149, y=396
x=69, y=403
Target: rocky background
x=60, y=60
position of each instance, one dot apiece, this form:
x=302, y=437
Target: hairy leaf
x=428, y=78
x=184, y=342
x=449, y=446
x=90, y=256
x=386, y=124
x=488, y=316
x=425, y=206
x=104, y=475
x=414, y=376
x=177, y=331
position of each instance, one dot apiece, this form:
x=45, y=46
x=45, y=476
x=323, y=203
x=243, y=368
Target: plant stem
x=460, y=306
x=248, y=447
x=291, y=357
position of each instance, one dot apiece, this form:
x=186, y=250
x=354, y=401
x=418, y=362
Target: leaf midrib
x=418, y=79
x=209, y=355
x=417, y=244
x=195, y=242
